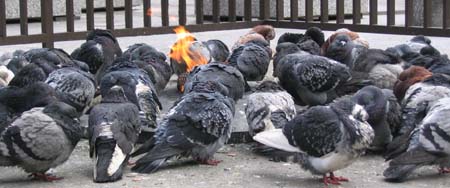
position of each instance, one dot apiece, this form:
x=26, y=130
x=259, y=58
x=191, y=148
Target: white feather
x=330, y=162
x=116, y=161
x=276, y=139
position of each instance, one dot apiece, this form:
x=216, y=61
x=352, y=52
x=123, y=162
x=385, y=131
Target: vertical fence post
x=280, y=10
x=216, y=11
x=47, y=23
x=248, y=10
x=391, y=12
x=165, y=12
x=128, y=13
x=309, y=11
x=109, y=14
x=294, y=10
x=23, y=17
x=373, y=12
x=264, y=10
x=356, y=11
x=90, y=15
x=340, y=11
x=182, y=12
x=147, y=13
x=427, y=11
x=408, y=13
x=446, y=14
x=232, y=10
x=199, y=11
x=324, y=11
x=2, y=19
x=70, y=23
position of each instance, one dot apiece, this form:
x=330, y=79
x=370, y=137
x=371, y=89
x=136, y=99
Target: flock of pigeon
x=394, y=102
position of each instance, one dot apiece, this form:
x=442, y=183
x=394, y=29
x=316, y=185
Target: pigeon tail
x=276, y=139
x=109, y=160
x=148, y=167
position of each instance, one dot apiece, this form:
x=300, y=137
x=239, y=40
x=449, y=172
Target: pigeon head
x=409, y=77
x=347, y=106
x=269, y=86
x=120, y=81
x=17, y=63
x=28, y=75
x=421, y=39
x=208, y=87
x=316, y=34
x=373, y=100
x=267, y=31
x=38, y=94
x=96, y=33
x=429, y=51
x=287, y=48
x=340, y=49
x=309, y=45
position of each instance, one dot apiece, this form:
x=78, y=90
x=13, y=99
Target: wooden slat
x=373, y=11
x=409, y=13
x=309, y=10
x=182, y=12
x=357, y=11
x=109, y=14
x=23, y=17
x=2, y=19
x=128, y=13
x=294, y=10
x=340, y=17
x=47, y=23
x=248, y=10
x=391, y=12
x=199, y=11
x=232, y=10
x=324, y=11
x=70, y=17
x=165, y=12
x=147, y=13
x=427, y=13
x=90, y=15
x=264, y=10
x=446, y=14
x=216, y=11
x=280, y=9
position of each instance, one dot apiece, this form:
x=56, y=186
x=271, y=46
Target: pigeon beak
x=116, y=87
x=343, y=43
x=76, y=120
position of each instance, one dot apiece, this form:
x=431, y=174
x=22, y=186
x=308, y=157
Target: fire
x=181, y=53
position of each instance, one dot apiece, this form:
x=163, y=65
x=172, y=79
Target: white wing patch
x=116, y=161
x=276, y=139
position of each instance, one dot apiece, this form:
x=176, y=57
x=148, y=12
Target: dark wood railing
x=47, y=37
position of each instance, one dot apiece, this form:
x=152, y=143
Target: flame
x=181, y=53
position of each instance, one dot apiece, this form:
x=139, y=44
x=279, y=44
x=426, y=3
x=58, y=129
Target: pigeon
x=258, y=33
x=152, y=61
x=409, y=77
x=340, y=49
x=379, y=67
x=394, y=114
x=282, y=50
x=17, y=61
x=197, y=125
x=114, y=128
x=148, y=101
x=376, y=105
x=218, y=50
x=269, y=107
x=225, y=75
x=73, y=86
x=428, y=144
x=252, y=60
x=327, y=138
x=308, y=78
x=431, y=89
x=40, y=139
x=309, y=42
x=267, y=31
x=28, y=75
x=99, y=51
x=418, y=42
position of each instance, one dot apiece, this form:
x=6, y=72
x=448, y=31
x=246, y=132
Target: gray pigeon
x=309, y=78
x=218, y=50
x=114, y=128
x=394, y=114
x=340, y=49
x=429, y=144
x=282, y=50
x=327, y=138
x=197, y=125
x=40, y=139
x=73, y=86
x=376, y=104
x=225, y=75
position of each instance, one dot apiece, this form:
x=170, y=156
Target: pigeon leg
x=45, y=177
x=211, y=162
x=444, y=170
x=337, y=178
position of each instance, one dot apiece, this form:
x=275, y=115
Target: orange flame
x=181, y=53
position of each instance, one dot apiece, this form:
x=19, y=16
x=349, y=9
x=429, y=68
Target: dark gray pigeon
x=73, y=86
x=376, y=104
x=429, y=144
x=252, y=60
x=269, y=107
x=114, y=128
x=218, y=50
x=40, y=139
x=340, y=49
x=282, y=50
x=309, y=78
x=28, y=75
x=152, y=61
x=225, y=75
x=197, y=125
x=327, y=138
